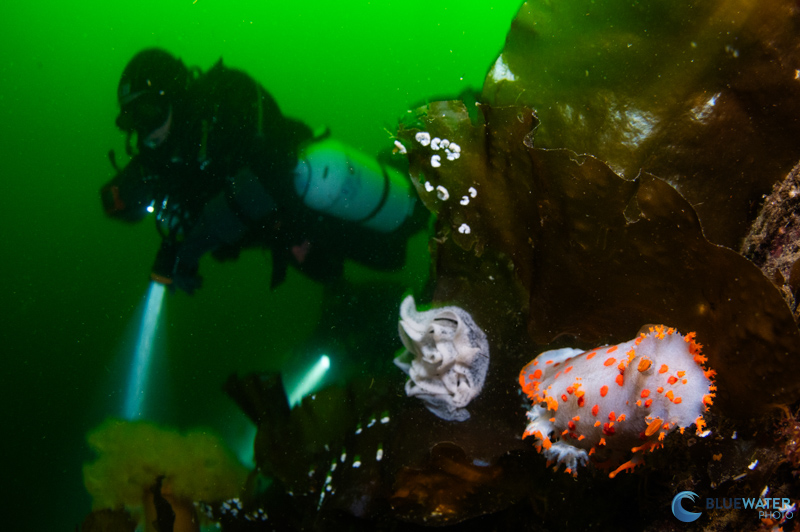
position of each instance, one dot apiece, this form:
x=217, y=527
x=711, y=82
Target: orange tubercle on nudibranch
x=653, y=427
x=552, y=404
x=670, y=389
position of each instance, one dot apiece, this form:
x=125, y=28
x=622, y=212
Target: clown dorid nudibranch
x=616, y=399
x=446, y=359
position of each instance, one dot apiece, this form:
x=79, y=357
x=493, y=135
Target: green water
x=72, y=280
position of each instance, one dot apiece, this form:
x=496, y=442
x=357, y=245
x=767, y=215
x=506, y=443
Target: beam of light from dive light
x=142, y=355
x=310, y=380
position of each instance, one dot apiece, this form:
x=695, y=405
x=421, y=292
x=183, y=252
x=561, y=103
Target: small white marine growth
x=446, y=358
x=423, y=137
x=452, y=150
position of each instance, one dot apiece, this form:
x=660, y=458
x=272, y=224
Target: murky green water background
x=72, y=280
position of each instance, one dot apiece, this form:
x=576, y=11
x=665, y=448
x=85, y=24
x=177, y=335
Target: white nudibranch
x=442, y=193
x=446, y=358
x=464, y=229
x=400, y=148
x=423, y=137
x=619, y=400
x=428, y=186
x=436, y=161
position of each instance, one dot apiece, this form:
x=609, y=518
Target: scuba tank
x=339, y=181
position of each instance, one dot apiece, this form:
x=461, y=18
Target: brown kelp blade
x=601, y=255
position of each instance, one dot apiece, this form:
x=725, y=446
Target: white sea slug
x=446, y=359
x=616, y=400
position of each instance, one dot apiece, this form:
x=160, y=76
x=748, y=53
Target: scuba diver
x=222, y=169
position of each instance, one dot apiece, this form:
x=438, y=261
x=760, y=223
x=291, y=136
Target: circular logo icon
x=677, y=508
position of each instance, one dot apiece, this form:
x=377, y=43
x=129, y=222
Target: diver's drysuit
x=223, y=169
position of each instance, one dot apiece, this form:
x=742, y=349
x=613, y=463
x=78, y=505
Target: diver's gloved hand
x=173, y=272
x=188, y=282
x=185, y=277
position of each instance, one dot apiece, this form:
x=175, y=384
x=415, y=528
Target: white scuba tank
x=337, y=180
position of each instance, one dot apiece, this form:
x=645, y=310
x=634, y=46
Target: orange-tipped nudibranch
x=618, y=399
